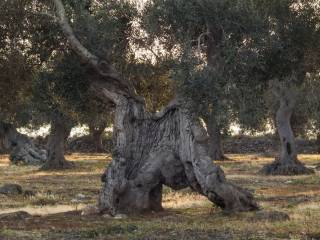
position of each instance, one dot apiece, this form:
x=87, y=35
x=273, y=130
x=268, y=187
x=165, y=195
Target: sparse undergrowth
x=187, y=215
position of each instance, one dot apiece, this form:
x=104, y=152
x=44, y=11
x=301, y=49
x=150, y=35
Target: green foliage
x=311, y=106
x=222, y=56
x=292, y=44
x=291, y=53
x=63, y=89
x=63, y=84
x=217, y=58
x=152, y=81
x=16, y=68
x=246, y=44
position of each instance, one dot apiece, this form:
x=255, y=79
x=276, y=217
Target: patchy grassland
x=187, y=215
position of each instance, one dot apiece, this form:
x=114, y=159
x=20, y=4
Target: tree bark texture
x=215, y=140
x=21, y=147
x=59, y=134
x=151, y=150
x=287, y=162
x=214, y=38
x=167, y=149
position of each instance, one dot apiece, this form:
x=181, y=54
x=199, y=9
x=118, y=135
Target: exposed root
x=232, y=198
x=286, y=169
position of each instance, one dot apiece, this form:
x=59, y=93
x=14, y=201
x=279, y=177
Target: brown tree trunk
x=318, y=142
x=21, y=147
x=151, y=150
x=318, y=149
x=215, y=140
x=287, y=162
x=60, y=131
x=96, y=134
x=212, y=53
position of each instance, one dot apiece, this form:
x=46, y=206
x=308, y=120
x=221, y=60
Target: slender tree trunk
x=215, y=140
x=2, y=148
x=318, y=148
x=212, y=54
x=97, y=139
x=96, y=134
x=318, y=142
x=287, y=163
x=21, y=147
x=60, y=131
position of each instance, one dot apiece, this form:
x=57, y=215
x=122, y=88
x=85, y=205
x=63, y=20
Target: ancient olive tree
x=16, y=74
x=151, y=150
x=291, y=54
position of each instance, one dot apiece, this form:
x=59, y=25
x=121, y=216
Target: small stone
x=81, y=196
x=120, y=216
x=90, y=210
x=11, y=189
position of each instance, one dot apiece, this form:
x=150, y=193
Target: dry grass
x=187, y=215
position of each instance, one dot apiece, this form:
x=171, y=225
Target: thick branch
x=75, y=43
x=102, y=67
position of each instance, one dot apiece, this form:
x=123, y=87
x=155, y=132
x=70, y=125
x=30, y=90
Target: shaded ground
x=188, y=215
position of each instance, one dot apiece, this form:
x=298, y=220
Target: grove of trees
x=170, y=79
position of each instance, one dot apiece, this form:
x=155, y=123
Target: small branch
x=49, y=15
x=199, y=41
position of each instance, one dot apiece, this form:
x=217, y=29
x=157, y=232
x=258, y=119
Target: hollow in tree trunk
x=21, y=147
x=60, y=131
x=151, y=150
x=96, y=133
x=287, y=162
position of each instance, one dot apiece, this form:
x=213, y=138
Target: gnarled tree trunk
x=59, y=134
x=96, y=133
x=287, y=162
x=168, y=149
x=21, y=147
x=151, y=150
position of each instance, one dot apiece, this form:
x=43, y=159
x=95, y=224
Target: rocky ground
x=52, y=208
